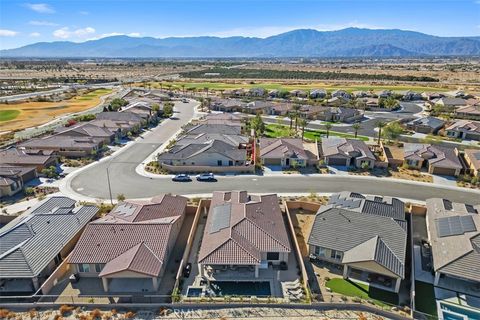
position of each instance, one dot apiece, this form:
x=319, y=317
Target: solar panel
x=454, y=226
x=220, y=217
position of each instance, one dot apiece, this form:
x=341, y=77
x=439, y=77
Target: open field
x=30, y=114
x=290, y=85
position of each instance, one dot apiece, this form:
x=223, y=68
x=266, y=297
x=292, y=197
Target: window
x=219, y=162
x=98, y=267
x=337, y=255
x=230, y=163
x=273, y=255
x=319, y=251
x=84, y=267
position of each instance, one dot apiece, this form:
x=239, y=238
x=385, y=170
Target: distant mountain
x=350, y=42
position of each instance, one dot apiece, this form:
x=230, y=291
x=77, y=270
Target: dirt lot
x=37, y=113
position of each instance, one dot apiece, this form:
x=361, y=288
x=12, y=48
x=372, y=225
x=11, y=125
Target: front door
x=287, y=162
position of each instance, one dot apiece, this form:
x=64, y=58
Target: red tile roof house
x=288, y=152
x=134, y=240
x=438, y=160
x=244, y=232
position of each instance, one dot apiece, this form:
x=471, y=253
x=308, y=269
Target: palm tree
x=296, y=108
x=356, y=127
x=380, y=125
x=206, y=90
x=183, y=89
x=328, y=126
x=291, y=115
x=303, y=124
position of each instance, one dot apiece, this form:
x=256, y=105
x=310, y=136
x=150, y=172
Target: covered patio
x=377, y=280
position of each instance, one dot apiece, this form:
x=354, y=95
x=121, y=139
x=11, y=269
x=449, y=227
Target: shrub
x=6, y=314
x=129, y=315
x=95, y=314
x=57, y=317
x=33, y=313
x=29, y=191
x=121, y=197
x=65, y=310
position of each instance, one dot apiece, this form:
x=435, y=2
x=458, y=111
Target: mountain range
x=350, y=42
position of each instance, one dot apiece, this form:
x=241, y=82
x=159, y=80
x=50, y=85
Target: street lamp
x=108, y=175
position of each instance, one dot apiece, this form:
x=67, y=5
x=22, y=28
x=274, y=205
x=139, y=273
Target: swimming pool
x=453, y=312
x=194, y=292
x=241, y=288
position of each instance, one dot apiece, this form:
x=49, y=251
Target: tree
x=328, y=126
x=356, y=127
x=155, y=107
x=361, y=104
x=291, y=115
x=380, y=125
x=303, y=124
x=392, y=131
x=117, y=103
x=167, y=109
x=296, y=109
x=50, y=172
x=257, y=124
x=121, y=197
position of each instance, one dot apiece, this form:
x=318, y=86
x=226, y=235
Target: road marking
x=80, y=189
x=255, y=179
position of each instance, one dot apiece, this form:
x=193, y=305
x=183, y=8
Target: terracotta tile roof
x=240, y=226
x=280, y=148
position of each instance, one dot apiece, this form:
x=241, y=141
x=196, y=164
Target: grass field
x=267, y=85
x=30, y=114
x=353, y=289
x=7, y=115
x=281, y=131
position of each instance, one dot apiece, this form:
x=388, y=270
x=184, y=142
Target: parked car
x=184, y=100
x=187, y=270
x=182, y=178
x=206, y=177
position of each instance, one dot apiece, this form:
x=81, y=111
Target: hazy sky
x=24, y=22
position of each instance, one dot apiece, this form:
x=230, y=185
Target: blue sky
x=24, y=22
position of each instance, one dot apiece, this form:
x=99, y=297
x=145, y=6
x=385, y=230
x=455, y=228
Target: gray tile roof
x=213, y=128
x=16, y=156
x=335, y=146
x=465, y=126
x=180, y=152
x=28, y=247
x=286, y=148
x=435, y=155
x=362, y=237
x=432, y=122
x=458, y=254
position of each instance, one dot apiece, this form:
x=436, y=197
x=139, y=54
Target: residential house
x=472, y=159
x=298, y=94
x=87, y=130
x=133, y=241
x=227, y=105
x=365, y=235
x=370, y=102
x=34, y=245
x=229, y=119
x=360, y=94
x=127, y=117
x=212, y=128
x=144, y=108
x=427, y=125
x=244, y=233
x=273, y=93
x=27, y=158
x=346, y=152
x=464, y=129
x=288, y=152
x=313, y=112
x=438, y=160
x=341, y=94
x=256, y=107
x=340, y=114
x=454, y=235
x=432, y=95
x=318, y=94
x=468, y=112
x=412, y=96
x=75, y=147
x=450, y=102
x=256, y=92
x=384, y=93
x=337, y=101
x=13, y=178
x=278, y=109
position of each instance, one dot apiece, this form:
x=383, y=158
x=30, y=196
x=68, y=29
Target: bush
x=29, y=191
x=33, y=313
x=65, y=310
x=121, y=197
x=129, y=315
x=96, y=314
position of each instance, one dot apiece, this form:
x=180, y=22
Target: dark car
x=187, y=270
x=206, y=177
x=182, y=178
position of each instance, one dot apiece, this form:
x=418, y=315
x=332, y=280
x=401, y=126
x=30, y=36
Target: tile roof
x=334, y=146
x=84, y=129
x=431, y=122
x=30, y=245
x=180, y=152
x=361, y=237
x=435, y=155
x=465, y=126
x=14, y=171
x=232, y=139
x=474, y=157
x=16, y=156
x=213, y=128
x=459, y=254
x=119, y=116
x=56, y=141
x=471, y=110
x=253, y=224
x=133, y=236
x=286, y=148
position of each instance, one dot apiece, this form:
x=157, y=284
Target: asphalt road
x=92, y=182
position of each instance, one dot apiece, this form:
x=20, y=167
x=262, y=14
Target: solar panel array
x=454, y=226
x=220, y=217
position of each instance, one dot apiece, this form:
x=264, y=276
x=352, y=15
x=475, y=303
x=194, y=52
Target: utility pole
x=109, y=186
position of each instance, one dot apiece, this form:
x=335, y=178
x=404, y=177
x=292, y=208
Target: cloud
x=40, y=7
x=66, y=33
x=35, y=34
x=7, y=33
x=42, y=23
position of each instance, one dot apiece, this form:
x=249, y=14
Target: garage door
x=272, y=162
x=337, y=162
x=443, y=171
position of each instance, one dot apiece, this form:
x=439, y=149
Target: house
x=227, y=105
x=464, y=129
x=337, y=101
x=212, y=128
x=341, y=94
x=450, y=102
x=432, y=95
x=360, y=94
x=346, y=152
x=412, y=96
x=256, y=107
x=144, y=108
x=426, y=125
x=86, y=130
x=243, y=232
x=278, y=109
x=34, y=245
x=236, y=140
x=213, y=155
x=313, y=112
x=287, y=152
x=128, y=117
x=340, y=114
x=75, y=147
x=369, y=102
x=438, y=160
x=454, y=236
x=273, y=93
x=256, y=92
x=318, y=94
x=468, y=112
x=27, y=158
x=228, y=119
x=298, y=93
x=367, y=237
x=384, y=93
x=13, y=178
x=472, y=159
x=134, y=240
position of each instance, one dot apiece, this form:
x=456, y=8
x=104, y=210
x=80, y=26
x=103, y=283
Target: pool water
x=451, y=312
x=241, y=288
x=194, y=292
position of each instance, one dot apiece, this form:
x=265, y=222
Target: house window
x=273, y=255
x=84, y=267
x=412, y=163
x=230, y=163
x=98, y=267
x=219, y=162
x=320, y=252
x=337, y=255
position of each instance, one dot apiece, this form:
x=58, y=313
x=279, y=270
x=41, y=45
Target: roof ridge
x=265, y=232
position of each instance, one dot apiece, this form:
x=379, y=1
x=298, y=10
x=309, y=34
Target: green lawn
x=363, y=291
x=282, y=131
x=316, y=134
x=277, y=131
x=425, y=298
x=6, y=115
